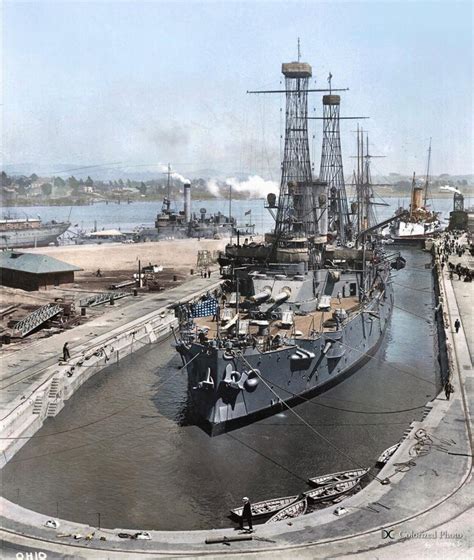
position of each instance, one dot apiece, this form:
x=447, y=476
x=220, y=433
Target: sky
x=139, y=84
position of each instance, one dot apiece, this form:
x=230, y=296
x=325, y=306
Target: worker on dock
x=457, y=325
x=448, y=389
x=66, y=354
x=246, y=515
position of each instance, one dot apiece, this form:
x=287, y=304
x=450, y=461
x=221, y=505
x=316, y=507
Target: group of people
x=462, y=272
x=451, y=245
x=205, y=273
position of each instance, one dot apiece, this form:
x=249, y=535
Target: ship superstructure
x=302, y=309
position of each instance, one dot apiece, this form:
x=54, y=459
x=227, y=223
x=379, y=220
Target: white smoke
x=213, y=187
x=174, y=174
x=255, y=186
x=450, y=188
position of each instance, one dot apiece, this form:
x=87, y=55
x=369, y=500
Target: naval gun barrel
x=281, y=298
x=261, y=297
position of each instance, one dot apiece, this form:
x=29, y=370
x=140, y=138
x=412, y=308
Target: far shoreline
x=62, y=202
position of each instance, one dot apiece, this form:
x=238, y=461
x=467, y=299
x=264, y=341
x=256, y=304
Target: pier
x=427, y=497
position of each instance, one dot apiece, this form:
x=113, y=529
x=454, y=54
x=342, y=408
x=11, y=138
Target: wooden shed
x=30, y=271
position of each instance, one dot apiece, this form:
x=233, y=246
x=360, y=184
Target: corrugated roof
x=33, y=263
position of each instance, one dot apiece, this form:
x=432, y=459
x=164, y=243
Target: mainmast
x=296, y=208
x=331, y=171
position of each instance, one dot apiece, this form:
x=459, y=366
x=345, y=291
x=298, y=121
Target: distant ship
x=29, y=232
x=420, y=222
x=182, y=224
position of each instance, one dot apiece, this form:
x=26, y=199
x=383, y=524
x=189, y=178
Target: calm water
x=129, y=216
x=118, y=448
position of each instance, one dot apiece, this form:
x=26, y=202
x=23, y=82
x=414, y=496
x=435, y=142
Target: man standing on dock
x=457, y=325
x=66, y=354
x=448, y=389
x=246, y=515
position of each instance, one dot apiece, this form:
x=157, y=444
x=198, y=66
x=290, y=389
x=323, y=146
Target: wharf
x=22, y=370
x=425, y=511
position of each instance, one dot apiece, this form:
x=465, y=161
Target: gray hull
x=38, y=237
x=225, y=391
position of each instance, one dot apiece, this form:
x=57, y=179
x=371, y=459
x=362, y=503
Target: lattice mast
x=332, y=171
x=295, y=214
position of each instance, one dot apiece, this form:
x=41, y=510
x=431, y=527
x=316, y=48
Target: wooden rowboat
x=325, y=493
x=266, y=507
x=385, y=456
x=335, y=478
x=296, y=509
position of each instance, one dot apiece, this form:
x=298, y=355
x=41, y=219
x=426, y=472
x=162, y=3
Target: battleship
x=29, y=232
x=305, y=308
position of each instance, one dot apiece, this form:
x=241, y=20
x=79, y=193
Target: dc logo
x=387, y=534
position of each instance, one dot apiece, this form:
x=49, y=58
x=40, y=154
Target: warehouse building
x=29, y=271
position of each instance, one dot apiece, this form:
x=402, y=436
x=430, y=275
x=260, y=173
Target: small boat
x=335, y=478
x=385, y=456
x=296, y=509
x=325, y=493
x=266, y=507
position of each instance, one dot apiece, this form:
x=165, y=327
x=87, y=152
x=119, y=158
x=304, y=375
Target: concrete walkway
x=423, y=513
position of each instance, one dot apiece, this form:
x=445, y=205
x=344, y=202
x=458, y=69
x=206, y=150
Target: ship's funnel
x=187, y=202
x=320, y=197
x=416, y=198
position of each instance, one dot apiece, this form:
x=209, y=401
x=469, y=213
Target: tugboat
x=300, y=311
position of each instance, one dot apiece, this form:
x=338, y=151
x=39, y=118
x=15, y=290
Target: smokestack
x=416, y=198
x=187, y=202
x=320, y=196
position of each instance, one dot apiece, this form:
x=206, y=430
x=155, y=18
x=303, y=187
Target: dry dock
x=423, y=513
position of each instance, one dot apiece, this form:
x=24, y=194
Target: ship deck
x=308, y=325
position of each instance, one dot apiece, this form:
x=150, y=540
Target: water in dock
x=119, y=448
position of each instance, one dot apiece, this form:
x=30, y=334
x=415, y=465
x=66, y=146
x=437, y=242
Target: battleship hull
x=32, y=237
x=231, y=389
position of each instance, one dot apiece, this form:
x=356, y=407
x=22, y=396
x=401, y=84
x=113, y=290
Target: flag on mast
x=248, y=212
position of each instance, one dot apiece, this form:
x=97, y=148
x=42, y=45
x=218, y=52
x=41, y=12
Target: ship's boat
x=296, y=509
x=335, y=478
x=326, y=493
x=266, y=507
x=385, y=455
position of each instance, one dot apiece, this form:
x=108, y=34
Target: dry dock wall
x=46, y=397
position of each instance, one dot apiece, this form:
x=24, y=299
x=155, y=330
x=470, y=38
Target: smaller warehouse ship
x=29, y=232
